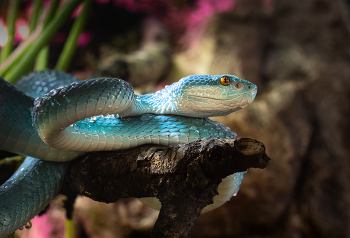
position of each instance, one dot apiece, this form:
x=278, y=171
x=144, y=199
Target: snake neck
x=156, y=103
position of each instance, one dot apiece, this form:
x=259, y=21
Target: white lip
x=221, y=99
x=252, y=95
x=254, y=91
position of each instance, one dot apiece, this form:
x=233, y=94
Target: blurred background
x=296, y=52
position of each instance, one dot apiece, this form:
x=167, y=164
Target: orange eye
x=225, y=80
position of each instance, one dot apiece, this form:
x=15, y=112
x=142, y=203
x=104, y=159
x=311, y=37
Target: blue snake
x=75, y=117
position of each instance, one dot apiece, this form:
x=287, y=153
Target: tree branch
x=184, y=177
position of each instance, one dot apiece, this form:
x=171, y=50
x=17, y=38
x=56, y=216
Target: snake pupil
x=225, y=80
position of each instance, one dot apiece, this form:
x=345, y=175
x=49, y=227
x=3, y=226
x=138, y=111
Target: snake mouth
x=253, y=94
x=212, y=98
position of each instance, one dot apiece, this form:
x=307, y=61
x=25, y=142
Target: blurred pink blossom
x=22, y=30
x=49, y=225
x=184, y=21
x=84, y=39
x=207, y=8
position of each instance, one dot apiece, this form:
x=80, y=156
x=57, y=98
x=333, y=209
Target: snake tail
x=28, y=192
x=36, y=182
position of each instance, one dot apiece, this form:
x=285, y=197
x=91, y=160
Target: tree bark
x=184, y=177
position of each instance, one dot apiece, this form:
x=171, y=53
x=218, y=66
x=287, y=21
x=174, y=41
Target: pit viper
x=52, y=118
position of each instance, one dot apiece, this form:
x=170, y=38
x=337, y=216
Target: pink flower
x=22, y=30
x=84, y=39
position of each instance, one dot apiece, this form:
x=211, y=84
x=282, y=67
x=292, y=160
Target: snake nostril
x=249, y=87
x=239, y=85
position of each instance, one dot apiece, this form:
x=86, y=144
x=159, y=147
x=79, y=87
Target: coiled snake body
x=102, y=114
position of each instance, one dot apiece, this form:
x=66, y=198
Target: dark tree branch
x=184, y=177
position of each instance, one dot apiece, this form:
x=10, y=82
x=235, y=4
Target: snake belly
x=22, y=131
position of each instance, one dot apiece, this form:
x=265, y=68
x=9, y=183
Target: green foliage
x=11, y=22
x=21, y=62
x=35, y=17
x=71, y=43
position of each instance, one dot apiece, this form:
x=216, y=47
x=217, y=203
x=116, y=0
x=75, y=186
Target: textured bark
x=184, y=177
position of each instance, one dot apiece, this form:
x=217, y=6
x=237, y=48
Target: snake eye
x=225, y=80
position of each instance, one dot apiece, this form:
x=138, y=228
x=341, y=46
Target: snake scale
x=75, y=117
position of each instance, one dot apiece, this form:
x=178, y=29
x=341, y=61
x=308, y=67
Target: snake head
x=211, y=95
